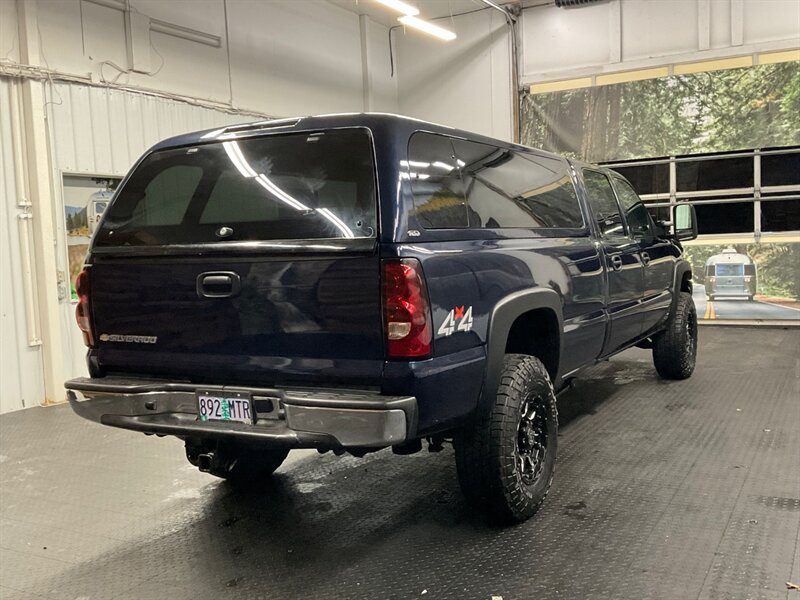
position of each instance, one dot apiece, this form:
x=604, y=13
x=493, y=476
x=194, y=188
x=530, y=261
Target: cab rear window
x=295, y=186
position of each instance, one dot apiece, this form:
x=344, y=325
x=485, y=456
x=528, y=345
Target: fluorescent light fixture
x=427, y=27
x=415, y=163
x=443, y=166
x=400, y=7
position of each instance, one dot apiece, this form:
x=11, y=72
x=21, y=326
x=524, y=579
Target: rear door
x=658, y=256
x=625, y=276
x=244, y=261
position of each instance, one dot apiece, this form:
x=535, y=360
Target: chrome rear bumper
x=298, y=418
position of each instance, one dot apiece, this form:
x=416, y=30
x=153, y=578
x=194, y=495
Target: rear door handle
x=645, y=258
x=218, y=284
x=616, y=261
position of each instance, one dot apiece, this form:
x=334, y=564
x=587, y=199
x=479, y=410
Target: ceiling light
x=429, y=28
x=400, y=7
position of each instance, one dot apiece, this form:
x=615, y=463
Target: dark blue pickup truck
x=363, y=281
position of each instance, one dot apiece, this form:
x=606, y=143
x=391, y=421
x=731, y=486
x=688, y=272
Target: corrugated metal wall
x=21, y=377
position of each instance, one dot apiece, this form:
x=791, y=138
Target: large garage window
x=741, y=193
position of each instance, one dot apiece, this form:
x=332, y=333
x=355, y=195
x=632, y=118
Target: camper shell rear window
x=318, y=185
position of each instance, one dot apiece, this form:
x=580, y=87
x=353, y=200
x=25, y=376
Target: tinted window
x=511, y=188
x=604, y=203
x=166, y=196
x=296, y=186
x=636, y=214
x=435, y=182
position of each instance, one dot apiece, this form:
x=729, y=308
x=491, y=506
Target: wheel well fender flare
x=502, y=317
x=681, y=269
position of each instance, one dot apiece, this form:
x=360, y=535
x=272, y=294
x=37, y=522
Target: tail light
x=712, y=279
x=748, y=278
x=406, y=312
x=83, y=312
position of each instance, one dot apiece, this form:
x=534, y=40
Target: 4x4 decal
x=459, y=313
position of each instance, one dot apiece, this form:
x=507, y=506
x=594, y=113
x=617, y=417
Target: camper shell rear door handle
x=218, y=284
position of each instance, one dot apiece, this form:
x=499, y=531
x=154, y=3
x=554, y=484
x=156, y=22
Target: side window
x=604, y=203
x=167, y=196
x=435, y=182
x=636, y=214
x=508, y=188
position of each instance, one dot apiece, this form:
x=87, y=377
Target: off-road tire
x=675, y=348
x=242, y=465
x=488, y=452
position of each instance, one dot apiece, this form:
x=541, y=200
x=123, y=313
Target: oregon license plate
x=224, y=406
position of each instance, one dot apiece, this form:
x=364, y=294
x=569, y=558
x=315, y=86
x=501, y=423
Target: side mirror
x=684, y=219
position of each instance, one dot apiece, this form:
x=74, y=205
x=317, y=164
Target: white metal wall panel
x=560, y=43
x=21, y=376
x=99, y=131
x=659, y=28
x=767, y=20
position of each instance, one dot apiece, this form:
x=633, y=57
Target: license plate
x=224, y=406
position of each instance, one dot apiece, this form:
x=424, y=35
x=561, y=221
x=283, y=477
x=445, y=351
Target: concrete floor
x=662, y=490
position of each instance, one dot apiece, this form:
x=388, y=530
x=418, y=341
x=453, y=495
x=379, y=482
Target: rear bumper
x=297, y=418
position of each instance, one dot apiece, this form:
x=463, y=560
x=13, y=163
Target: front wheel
x=675, y=348
x=505, y=457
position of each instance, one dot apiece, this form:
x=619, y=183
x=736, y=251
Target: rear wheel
x=506, y=455
x=675, y=348
x=240, y=464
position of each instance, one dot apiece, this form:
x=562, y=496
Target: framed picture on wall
x=86, y=198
